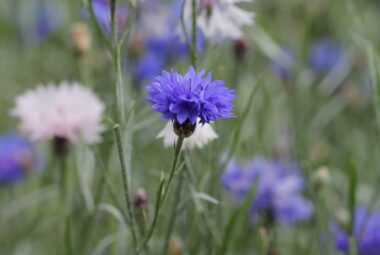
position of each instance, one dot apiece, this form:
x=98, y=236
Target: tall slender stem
x=66, y=215
x=173, y=215
x=126, y=187
x=160, y=203
x=120, y=95
x=194, y=33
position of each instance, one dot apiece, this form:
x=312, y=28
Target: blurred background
x=314, y=64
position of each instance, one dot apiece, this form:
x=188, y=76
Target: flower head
x=17, y=157
x=103, y=15
x=202, y=135
x=324, y=55
x=278, y=192
x=154, y=45
x=219, y=19
x=184, y=98
x=366, y=233
x=37, y=20
x=68, y=111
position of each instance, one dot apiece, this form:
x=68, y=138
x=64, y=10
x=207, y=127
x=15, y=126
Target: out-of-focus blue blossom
x=103, y=15
x=45, y=20
x=187, y=97
x=278, y=191
x=284, y=66
x=366, y=232
x=147, y=67
x=156, y=43
x=36, y=20
x=324, y=55
x=17, y=157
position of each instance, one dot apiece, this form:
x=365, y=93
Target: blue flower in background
x=17, y=157
x=324, y=55
x=278, y=192
x=156, y=41
x=284, y=66
x=103, y=15
x=366, y=232
x=148, y=66
x=46, y=22
x=35, y=20
x=187, y=97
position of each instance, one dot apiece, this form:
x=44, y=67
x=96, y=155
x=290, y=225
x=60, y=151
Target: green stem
x=160, y=203
x=65, y=211
x=194, y=33
x=173, y=214
x=120, y=95
x=98, y=28
x=353, y=247
x=126, y=187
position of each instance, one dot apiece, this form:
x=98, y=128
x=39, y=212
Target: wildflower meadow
x=189, y=127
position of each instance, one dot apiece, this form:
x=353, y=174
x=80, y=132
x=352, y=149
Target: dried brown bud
x=240, y=48
x=321, y=176
x=80, y=38
x=175, y=247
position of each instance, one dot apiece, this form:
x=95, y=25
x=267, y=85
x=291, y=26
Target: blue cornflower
x=156, y=44
x=103, y=15
x=366, y=232
x=278, y=191
x=37, y=20
x=324, y=55
x=17, y=157
x=148, y=66
x=184, y=98
x=284, y=66
x=46, y=22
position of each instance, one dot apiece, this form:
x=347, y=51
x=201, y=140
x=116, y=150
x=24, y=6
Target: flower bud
x=343, y=216
x=185, y=129
x=140, y=203
x=140, y=199
x=208, y=5
x=175, y=247
x=61, y=146
x=240, y=48
x=321, y=176
x=80, y=38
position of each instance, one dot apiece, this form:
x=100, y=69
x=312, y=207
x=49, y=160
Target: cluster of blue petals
x=162, y=48
x=17, y=157
x=102, y=13
x=190, y=96
x=278, y=191
x=324, y=55
x=366, y=232
x=158, y=52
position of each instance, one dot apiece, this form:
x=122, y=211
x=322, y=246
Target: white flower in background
x=219, y=19
x=203, y=134
x=68, y=111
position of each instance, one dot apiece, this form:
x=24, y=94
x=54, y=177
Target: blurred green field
x=317, y=119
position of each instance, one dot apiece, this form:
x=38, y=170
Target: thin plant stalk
x=194, y=33
x=66, y=215
x=162, y=199
x=117, y=131
x=173, y=214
